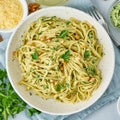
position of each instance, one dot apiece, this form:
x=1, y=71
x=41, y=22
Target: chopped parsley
x=90, y=34
x=45, y=87
x=57, y=40
x=40, y=33
x=86, y=54
x=35, y=55
x=55, y=48
x=63, y=33
x=91, y=70
x=66, y=56
x=59, y=87
x=67, y=84
x=68, y=22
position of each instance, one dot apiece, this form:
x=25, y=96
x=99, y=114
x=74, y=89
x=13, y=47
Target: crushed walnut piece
x=32, y=7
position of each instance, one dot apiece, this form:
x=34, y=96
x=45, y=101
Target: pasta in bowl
x=60, y=57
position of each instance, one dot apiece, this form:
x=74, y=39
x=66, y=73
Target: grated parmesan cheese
x=11, y=13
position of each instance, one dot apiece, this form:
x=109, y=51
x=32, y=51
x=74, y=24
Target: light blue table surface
x=108, y=112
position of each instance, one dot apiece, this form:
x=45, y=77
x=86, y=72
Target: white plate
x=50, y=106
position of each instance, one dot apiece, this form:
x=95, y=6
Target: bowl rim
x=59, y=113
x=25, y=14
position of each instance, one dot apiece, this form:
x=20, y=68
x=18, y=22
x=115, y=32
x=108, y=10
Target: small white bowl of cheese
x=12, y=13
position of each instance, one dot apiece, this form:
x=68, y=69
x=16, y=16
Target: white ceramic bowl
x=25, y=13
x=50, y=106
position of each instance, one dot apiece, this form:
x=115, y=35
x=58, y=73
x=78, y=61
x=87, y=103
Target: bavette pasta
x=59, y=59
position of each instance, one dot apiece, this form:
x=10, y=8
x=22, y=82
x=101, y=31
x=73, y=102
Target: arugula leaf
x=35, y=55
x=63, y=33
x=66, y=56
x=86, y=54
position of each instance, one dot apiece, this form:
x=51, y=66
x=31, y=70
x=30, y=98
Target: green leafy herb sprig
x=10, y=103
x=66, y=56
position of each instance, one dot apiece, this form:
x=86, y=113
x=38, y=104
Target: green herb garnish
x=63, y=33
x=90, y=34
x=35, y=55
x=67, y=85
x=3, y=74
x=68, y=22
x=57, y=40
x=91, y=70
x=32, y=111
x=59, y=87
x=10, y=103
x=66, y=56
x=40, y=33
x=45, y=87
x=55, y=48
x=86, y=54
